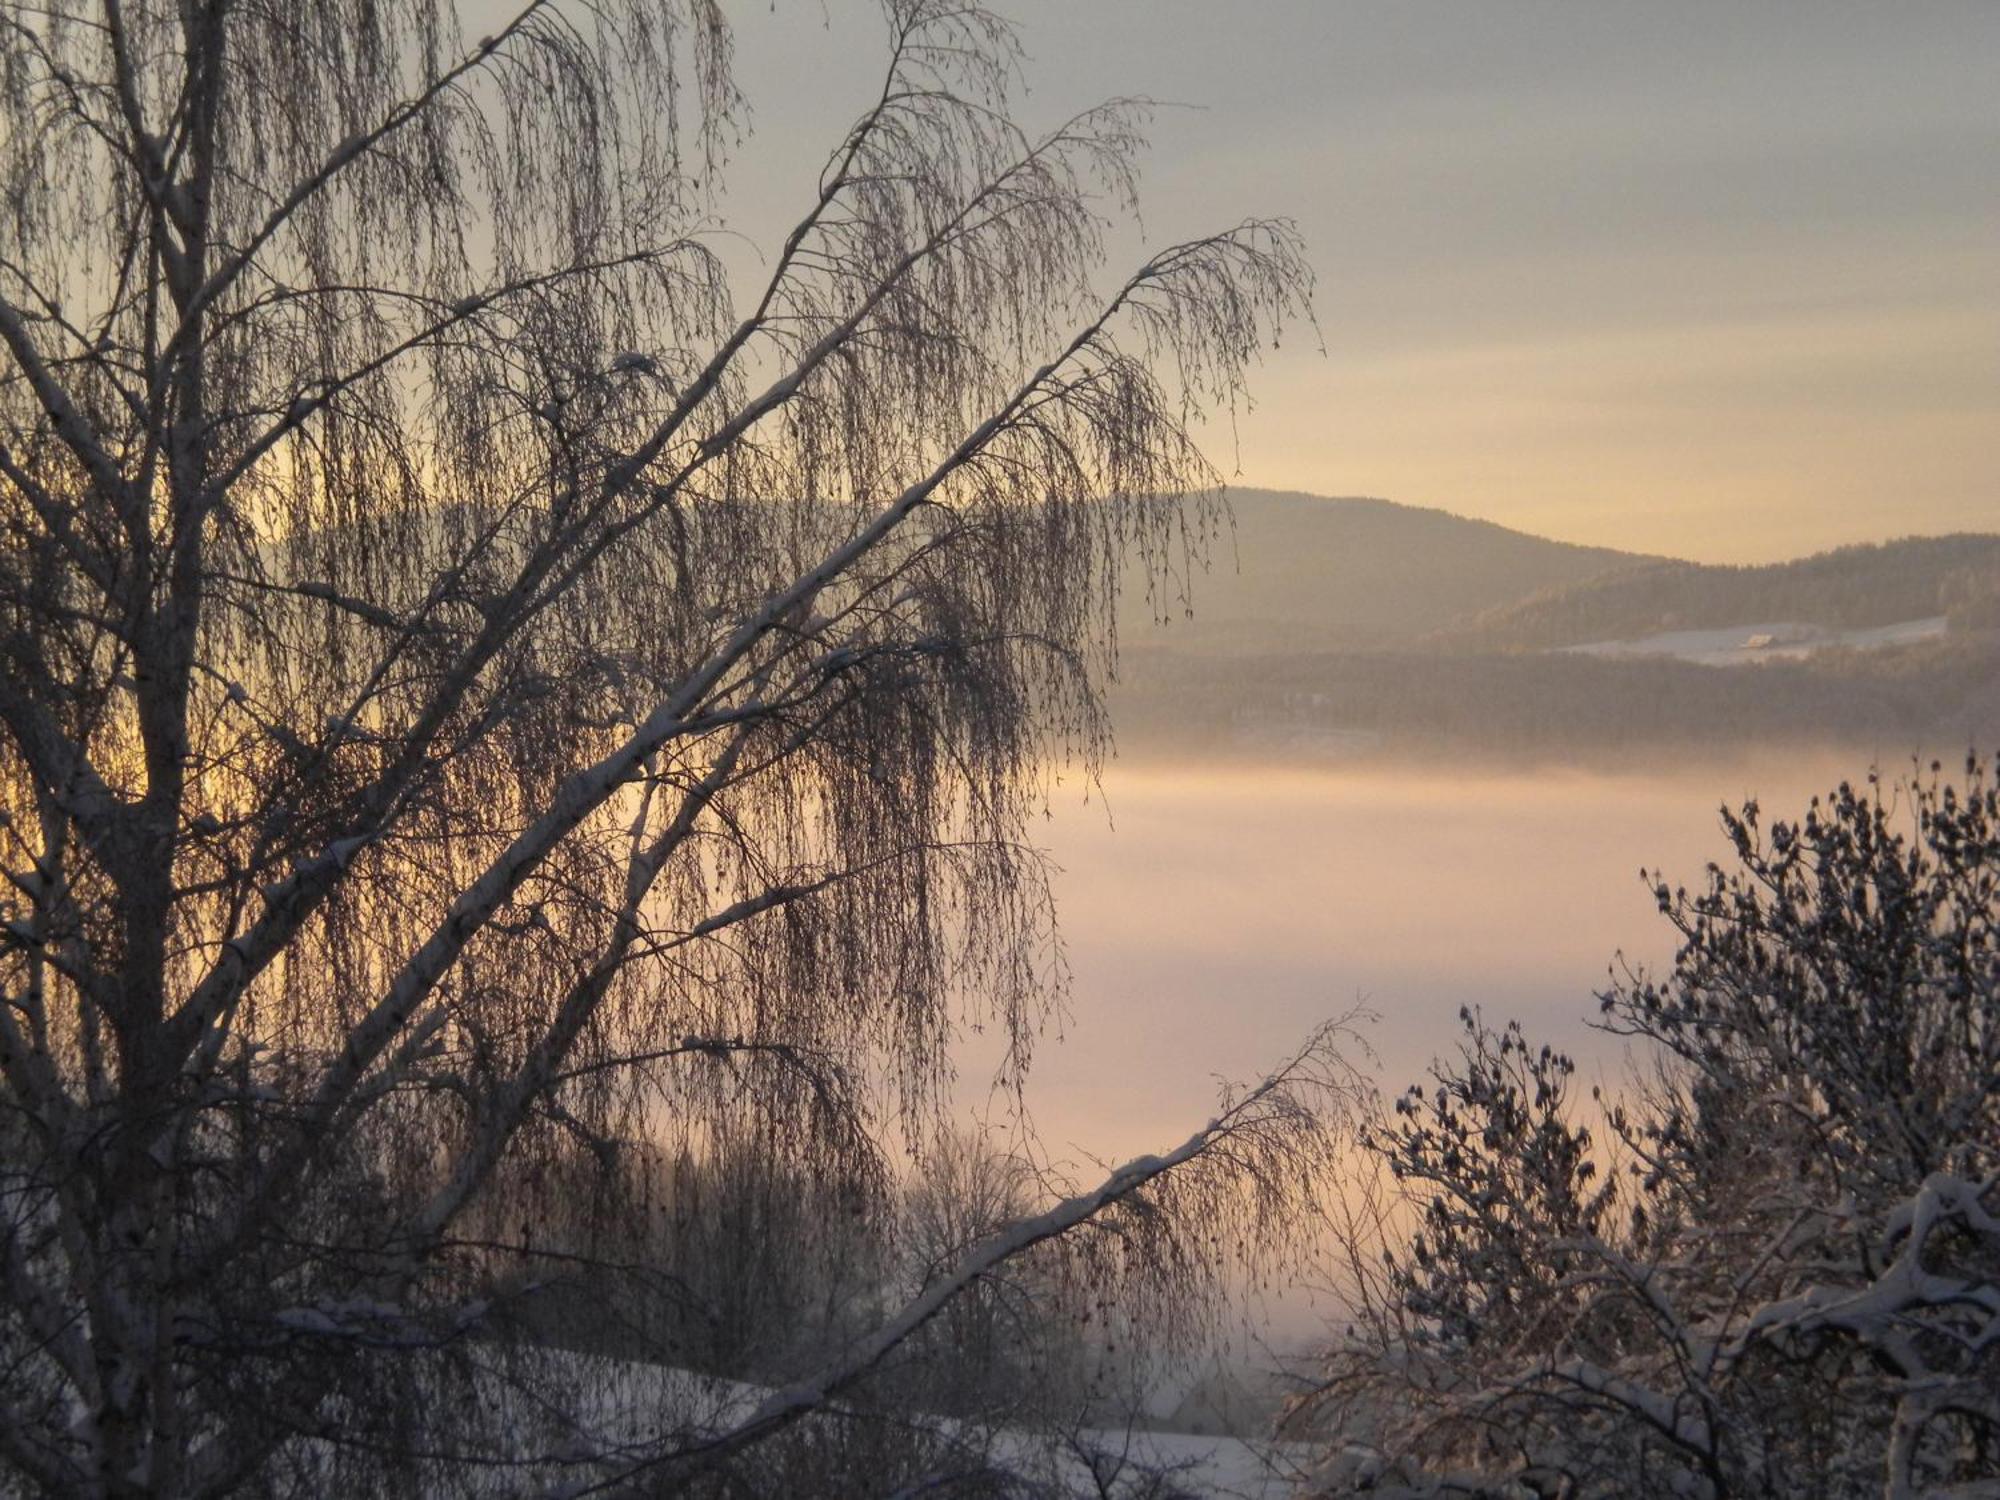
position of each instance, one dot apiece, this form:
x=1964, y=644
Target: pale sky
x=1714, y=279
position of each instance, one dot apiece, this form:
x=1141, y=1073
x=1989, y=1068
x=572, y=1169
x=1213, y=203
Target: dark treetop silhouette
x=1771, y=1264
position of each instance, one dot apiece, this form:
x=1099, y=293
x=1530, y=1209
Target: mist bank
x=1213, y=913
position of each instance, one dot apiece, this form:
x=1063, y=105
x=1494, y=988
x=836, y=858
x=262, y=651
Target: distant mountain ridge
x=1307, y=571
x=1340, y=627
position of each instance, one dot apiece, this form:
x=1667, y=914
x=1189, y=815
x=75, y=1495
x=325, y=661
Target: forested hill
x=1852, y=588
x=1307, y=572
x=1354, y=626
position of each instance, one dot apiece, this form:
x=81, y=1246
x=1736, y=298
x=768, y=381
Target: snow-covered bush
x=1772, y=1267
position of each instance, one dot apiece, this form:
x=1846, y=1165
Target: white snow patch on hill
x=1747, y=645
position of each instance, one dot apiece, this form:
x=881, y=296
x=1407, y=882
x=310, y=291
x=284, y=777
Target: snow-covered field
x=632, y=1404
x=1099, y=1459
x=1746, y=645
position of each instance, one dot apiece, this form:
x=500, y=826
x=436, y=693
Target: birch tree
x=477, y=683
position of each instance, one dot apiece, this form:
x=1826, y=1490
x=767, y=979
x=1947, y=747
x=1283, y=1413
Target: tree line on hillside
x=1946, y=694
x=1850, y=588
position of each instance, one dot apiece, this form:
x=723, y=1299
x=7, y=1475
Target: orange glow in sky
x=1716, y=281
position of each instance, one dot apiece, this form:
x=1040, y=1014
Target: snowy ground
x=1746, y=645
x=1098, y=1460
x=631, y=1399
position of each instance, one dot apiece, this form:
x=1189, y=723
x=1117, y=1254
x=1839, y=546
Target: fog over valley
x=1213, y=914
x=1401, y=761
